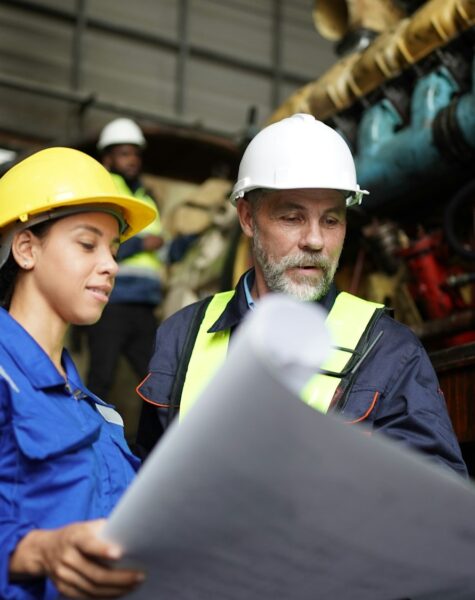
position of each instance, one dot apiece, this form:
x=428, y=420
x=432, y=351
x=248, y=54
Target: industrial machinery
x=402, y=94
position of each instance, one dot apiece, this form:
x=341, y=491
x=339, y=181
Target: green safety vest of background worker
x=295, y=180
x=127, y=325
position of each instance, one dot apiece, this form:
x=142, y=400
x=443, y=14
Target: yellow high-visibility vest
x=144, y=262
x=348, y=320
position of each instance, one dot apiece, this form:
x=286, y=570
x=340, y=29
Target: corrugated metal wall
x=200, y=62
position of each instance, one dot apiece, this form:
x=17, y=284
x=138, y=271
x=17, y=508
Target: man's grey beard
x=302, y=288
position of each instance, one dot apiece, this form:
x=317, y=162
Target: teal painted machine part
x=392, y=161
x=465, y=112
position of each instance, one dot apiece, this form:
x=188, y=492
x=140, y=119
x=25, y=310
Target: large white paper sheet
x=256, y=496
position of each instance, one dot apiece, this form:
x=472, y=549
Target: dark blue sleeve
x=397, y=393
x=130, y=247
x=157, y=386
x=179, y=247
x=414, y=411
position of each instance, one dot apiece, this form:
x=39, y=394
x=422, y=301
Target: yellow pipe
x=379, y=62
x=435, y=24
x=331, y=92
x=333, y=19
x=296, y=103
x=466, y=11
x=322, y=97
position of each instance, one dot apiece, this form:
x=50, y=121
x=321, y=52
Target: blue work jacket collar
x=237, y=307
x=31, y=359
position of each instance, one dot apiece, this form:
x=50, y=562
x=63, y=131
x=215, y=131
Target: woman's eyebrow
x=90, y=228
x=95, y=230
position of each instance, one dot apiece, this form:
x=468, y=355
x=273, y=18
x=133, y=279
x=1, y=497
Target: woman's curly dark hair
x=10, y=270
x=8, y=275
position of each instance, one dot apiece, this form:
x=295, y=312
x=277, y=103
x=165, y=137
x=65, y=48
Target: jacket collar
x=30, y=358
x=237, y=307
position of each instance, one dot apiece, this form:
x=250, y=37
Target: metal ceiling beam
x=87, y=99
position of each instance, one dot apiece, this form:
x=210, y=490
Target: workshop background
x=68, y=66
x=395, y=77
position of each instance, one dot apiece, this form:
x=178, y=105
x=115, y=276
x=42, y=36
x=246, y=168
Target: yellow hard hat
x=62, y=178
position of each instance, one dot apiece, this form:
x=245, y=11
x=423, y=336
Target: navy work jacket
x=63, y=455
x=395, y=391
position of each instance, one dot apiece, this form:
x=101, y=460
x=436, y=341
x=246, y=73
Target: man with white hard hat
x=127, y=325
x=296, y=179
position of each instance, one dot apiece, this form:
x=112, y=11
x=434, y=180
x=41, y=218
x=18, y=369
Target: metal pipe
x=334, y=19
x=455, y=323
x=433, y=26
x=46, y=90
x=393, y=164
x=89, y=99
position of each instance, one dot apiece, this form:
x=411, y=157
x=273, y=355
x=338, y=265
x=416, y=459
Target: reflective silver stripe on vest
x=132, y=271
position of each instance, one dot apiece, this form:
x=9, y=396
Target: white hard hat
x=121, y=131
x=298, y=152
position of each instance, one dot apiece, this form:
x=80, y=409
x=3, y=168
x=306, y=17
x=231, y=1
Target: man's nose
x=312, y=236
x=134, y=161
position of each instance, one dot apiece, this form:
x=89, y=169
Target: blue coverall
x=63, y=456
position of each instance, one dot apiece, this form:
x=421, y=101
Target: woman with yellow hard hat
x=64, y=462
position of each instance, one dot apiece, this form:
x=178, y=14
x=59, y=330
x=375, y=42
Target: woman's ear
x=24, y=249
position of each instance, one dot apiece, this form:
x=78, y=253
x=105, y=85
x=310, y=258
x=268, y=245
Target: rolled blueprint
x=256, y=496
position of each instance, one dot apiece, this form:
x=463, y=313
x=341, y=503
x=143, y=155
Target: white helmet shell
x=121, y=131
x=298, y=152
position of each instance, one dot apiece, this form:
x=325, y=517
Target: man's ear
x=246, y=218
x=24, y=249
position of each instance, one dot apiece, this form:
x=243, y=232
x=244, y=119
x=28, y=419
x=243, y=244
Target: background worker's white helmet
x=121, y=131
x=298, y=152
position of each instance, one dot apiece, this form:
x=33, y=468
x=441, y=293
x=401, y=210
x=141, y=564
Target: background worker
x=202, y=225
x=296, y=179
x=63, y=456
x=128, y=323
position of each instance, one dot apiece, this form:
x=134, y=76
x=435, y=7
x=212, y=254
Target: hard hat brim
x=136, y=213
x=132, y=212
x=353, y=197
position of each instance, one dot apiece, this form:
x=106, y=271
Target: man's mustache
x=305, y=260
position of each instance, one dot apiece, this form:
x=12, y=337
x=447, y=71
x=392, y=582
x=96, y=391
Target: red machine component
x=428, y=277
x=428, y=283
